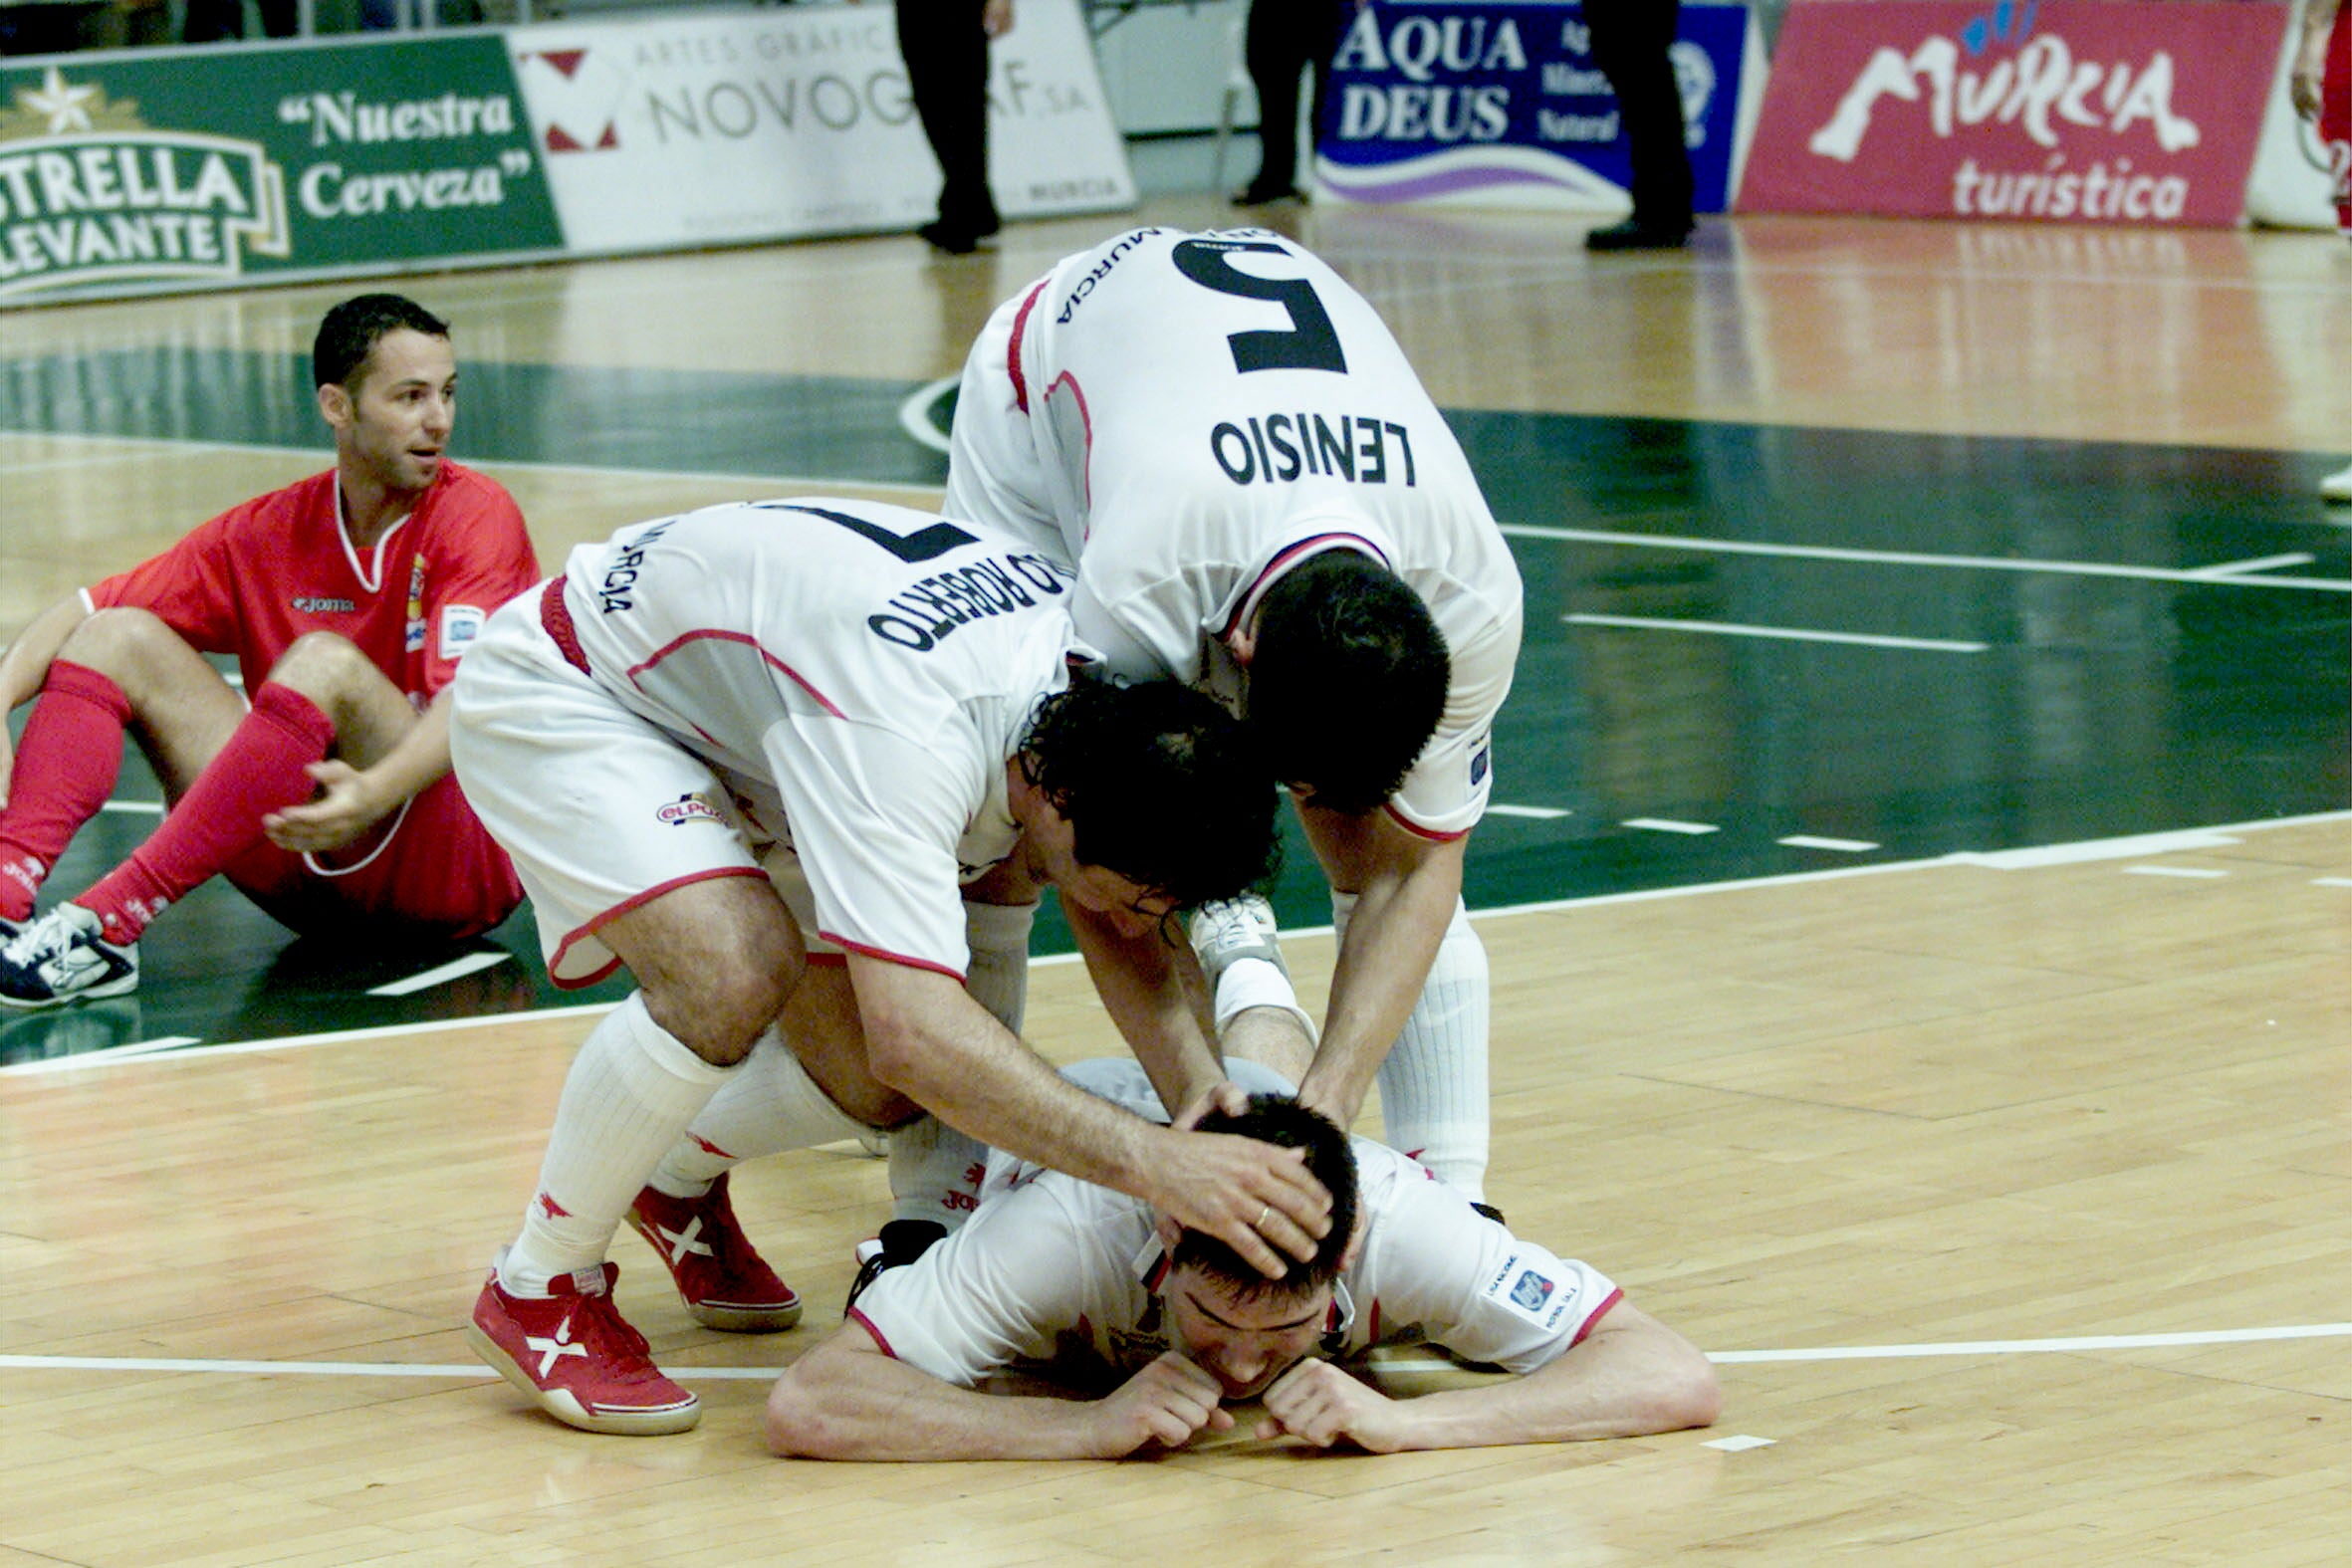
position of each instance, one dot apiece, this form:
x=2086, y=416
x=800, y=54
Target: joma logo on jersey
x=687, y=808
x=319, y=605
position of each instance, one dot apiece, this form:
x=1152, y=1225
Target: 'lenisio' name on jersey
x=1280, y=448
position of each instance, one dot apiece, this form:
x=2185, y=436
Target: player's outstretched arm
x=928, y=1039
x=1631, y=1376
x=847, y=1400
x=1407, y=891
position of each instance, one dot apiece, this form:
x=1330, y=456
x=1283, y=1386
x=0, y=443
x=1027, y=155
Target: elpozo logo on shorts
x=89, y=193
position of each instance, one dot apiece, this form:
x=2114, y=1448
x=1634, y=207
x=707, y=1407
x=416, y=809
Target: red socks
x=261, y=770
x=66, y=766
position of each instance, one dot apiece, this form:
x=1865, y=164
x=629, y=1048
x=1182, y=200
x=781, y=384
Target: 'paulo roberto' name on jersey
x=1277, y=449
x=926, y=613
x=919, y=614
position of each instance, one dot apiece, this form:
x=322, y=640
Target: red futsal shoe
x=577, y=1358
x=725, y=1283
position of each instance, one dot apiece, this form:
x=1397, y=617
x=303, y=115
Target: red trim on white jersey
x=1598, y=1313
x=1417, y=830
x=1029, y=303
x=556, y=964
x=1085, y=418
x=1316, y=544
x=863, y=1321
x=675, y=643
x=889, y=957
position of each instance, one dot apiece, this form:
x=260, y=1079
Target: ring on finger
x=1259, y=1222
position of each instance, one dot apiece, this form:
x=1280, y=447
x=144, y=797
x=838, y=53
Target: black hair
x=1280, y=1120
x=1159, y=784
x=350, y=330
x=1348, y=681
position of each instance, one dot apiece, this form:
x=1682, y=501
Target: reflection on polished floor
x=1929, y=755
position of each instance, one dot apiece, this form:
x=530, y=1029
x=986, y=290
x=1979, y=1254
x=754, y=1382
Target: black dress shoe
x=1259, y=192
x=951, y=238
x=1637, y=234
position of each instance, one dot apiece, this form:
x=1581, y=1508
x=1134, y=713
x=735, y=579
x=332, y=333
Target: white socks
x=1433, y=1085
x=997, y=974
x=768, y=1105
x=934, y=1169
x=631, y=1091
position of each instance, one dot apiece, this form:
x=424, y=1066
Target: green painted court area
x=1750, y=652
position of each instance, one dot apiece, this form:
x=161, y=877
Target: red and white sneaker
x=725, y=1283
x=577, y=1358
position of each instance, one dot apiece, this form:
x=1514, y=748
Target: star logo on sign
x=552, y=1349
x=66, y=108
x=681, y=1243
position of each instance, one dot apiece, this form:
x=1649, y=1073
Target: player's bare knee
x=718, y=1008
x=323, y=667
x=123, y=641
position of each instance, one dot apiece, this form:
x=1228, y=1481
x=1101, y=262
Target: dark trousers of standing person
x=1630, y=40
x=1280, y=38
x=209, y=21
x=946, y=52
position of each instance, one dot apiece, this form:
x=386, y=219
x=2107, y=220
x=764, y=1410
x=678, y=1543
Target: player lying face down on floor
x=1163, y=1327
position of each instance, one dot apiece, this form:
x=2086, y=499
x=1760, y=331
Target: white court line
x=1540, y=812
x=2239, y=569
x=134, y=807
x=1979, y=1347
x=104, y=1053
x=1667, y=824
x=1897, y=557
x=2188, y=871
x=2331, y=881
x=2058, y=854
x=1851, y=846
x=2106, y=849
x=1729, y=629
x=470, y=963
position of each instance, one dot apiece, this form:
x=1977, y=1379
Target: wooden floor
x=2012, y=1194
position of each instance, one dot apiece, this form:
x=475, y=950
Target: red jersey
x=2335, y=116
x=259, y=576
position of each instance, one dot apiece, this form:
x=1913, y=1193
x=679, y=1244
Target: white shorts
x=600, y=811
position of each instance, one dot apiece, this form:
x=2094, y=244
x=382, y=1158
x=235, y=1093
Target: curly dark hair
x=349, y=332
x=1280, y=1120
x=1159, y=784
x=1348, y=679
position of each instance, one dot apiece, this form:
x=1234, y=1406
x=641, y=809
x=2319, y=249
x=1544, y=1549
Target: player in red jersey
x=347, y=601
x=2321, y=86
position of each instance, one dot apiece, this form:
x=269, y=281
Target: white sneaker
x=1233, y=928
x=2337, y=486
x=63, y=957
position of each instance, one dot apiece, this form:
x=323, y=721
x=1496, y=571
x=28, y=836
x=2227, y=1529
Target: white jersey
x=1183, y=416
x=853, y=675
x=1051, y=1270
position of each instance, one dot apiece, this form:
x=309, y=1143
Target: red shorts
x=431, y=872
x=2335, y=116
